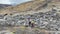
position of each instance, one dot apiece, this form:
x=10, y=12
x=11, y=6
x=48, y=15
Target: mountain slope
x=4, y=5
x=29, y=6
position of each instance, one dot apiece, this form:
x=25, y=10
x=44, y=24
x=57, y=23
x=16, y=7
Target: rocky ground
x=47, y=22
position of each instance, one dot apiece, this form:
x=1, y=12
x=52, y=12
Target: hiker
x=29, y=23
x=32, y=23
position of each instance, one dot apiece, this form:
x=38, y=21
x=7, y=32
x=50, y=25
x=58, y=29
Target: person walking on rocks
x=29, y=22
x=32, y=24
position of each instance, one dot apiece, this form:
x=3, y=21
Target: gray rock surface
x=49, y=20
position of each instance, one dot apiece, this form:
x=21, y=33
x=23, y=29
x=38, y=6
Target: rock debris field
x=49, y=21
